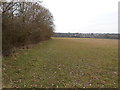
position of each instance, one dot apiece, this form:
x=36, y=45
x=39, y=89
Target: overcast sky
x=84, y=16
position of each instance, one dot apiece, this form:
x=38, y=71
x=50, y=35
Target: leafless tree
x=24, y=23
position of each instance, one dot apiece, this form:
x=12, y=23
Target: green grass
x=64, y=63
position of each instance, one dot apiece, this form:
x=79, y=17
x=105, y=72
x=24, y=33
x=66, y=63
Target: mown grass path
x=64, y=62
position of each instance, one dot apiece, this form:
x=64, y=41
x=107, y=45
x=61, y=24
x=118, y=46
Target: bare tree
x=24, y=23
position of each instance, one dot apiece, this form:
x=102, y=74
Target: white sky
x=84, y=16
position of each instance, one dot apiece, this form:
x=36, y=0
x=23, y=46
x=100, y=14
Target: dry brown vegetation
x=24, y=23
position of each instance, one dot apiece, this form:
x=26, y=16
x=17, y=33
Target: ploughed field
x=64, y=63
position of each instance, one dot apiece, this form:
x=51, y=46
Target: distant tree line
x=24, y=23
x=89, y=35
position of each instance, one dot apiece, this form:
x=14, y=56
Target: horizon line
x=90, y=32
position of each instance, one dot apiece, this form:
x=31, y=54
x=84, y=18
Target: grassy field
x=63, y=63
